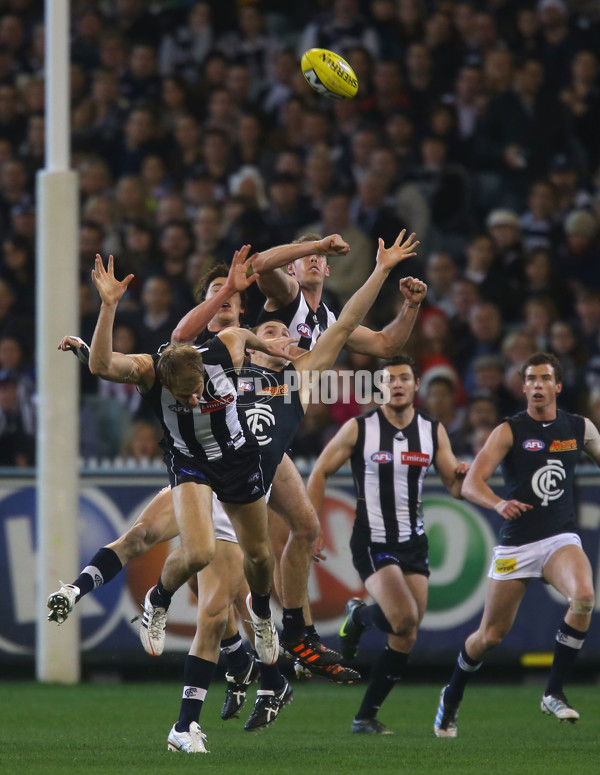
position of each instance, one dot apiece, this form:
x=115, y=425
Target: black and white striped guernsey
x=301, y=321
x=212, y=429
x=389, y=466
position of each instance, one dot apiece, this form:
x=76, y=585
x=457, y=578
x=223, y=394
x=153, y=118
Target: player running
x=539, y=450
x=390, y=449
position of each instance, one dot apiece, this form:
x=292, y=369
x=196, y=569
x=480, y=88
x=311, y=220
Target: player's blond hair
x=180, y=365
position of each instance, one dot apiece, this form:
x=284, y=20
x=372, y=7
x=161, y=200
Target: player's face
x=271, y=330
x=540, y=386
x=310, y=270
x=401, y=384
x=188, y=393
x=229, y=314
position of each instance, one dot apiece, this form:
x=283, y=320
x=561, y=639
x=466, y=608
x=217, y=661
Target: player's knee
x=306, y=528
x=137, y=540
x=583, y=602
x=197, y=557
x=259, y=554
x=492, y=636
x=404, y=625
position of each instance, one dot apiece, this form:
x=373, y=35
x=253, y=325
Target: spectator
x=340, y=29
x=539, y=313
x=485, y=327
x=587, y=309
x=506, y=231
x=184, y=50
x=347, y=274
x=541, y=279
x=579, y=260
x=140, y=443
x=17, y=423
x=440, y=274
x=438, y=395
x=564, y=176
x=521, y=130
x=157, y=318
x=540, y=224
x=581, y=97
x=370, y=213
x=573, y=357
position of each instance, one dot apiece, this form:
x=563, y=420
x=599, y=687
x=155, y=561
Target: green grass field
x=116, y=728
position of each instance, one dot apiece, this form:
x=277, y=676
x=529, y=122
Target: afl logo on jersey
x=245, y=385
x=533, y=445
x=382, y=457
x=179, y=409
x=304, y=330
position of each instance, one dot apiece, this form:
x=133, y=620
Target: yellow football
x=329, y=74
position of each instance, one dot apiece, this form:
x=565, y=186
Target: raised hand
x=388, y=258
x=279, y=346
x=110, y=289
x=413, y=289
x=239, y=278
x=333, y=245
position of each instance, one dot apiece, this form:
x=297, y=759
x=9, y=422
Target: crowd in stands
x=194, y=132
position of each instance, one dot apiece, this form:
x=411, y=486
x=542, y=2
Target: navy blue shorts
x=236, y=478
x=411, y=556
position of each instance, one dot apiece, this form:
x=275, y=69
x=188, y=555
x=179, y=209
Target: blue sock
x=261, y=605
x=102, y=568
x=568, y=643
x=197, y=674
x=161, y=597
x=271, y=678
x=236, y=656
x=464, y=669
x=388, y=668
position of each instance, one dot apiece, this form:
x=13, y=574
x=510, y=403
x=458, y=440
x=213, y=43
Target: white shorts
x=223, y=528
x=528, y=561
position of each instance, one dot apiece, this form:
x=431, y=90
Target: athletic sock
x=236, y=656
x=311, y=631
x=103, y=567
x=197, y=674
x=271, y=678
x=463, y=670
x=161, y=597
x=371, y=616
x=293, y=624
x=388, y=668
x=261, y=604
x=568, y=643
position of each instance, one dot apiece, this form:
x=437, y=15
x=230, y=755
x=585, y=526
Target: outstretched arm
x=475, y=487
x=279, y=287
x=238, y=340
x=390, y=341
x=115, y=367
x=329, y=344
x=191, y=325
x=452, y=473
x=333, y=457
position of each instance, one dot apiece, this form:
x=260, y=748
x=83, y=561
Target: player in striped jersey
x=390, y=449
x=208, y=448
x=295, y=297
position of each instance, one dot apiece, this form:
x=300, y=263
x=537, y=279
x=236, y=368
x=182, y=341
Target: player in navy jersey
x=284, y=391
x=390, y=449
x=295, y=297
x=539, y=450
x=207, y=448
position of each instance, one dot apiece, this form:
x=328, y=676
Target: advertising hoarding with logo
x=461, y=537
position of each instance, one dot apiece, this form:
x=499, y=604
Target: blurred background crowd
x=476, y=125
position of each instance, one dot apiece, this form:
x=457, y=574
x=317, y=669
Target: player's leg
x=402, y=599
x=155, y=524
x=569, y=571
x=251, y=526
x=193, y=511
x=502, y=602
x=216, y=589
x=290, y=500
